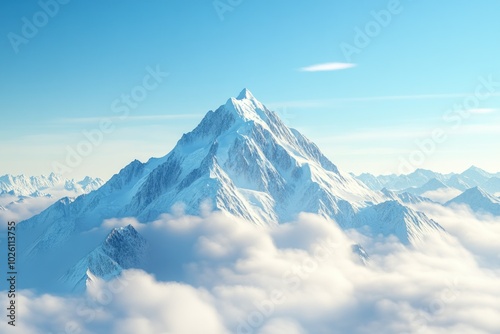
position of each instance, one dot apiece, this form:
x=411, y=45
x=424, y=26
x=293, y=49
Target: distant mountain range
x=476, y=188
x=423, y=180
x=240, y=160
x=39, y=186
x=478, y=200
x=24, y=196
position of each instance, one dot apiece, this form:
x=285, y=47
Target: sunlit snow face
x=300, y=277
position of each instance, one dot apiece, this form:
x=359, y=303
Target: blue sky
x=425, y=60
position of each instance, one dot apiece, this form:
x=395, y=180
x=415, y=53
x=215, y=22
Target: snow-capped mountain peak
x=434, y=184
x=472, y=177
x=475, y=175
x=478, y=200
x=241, y=158
x=405, y=197
x=124, y=248
x=474, y=194
x=476, y=170
x=245, y=94
x=393, y=218
x=247, y=109
x=431, y=185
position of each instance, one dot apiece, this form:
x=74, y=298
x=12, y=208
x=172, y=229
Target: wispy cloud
x=483, y=111
x=327, y=67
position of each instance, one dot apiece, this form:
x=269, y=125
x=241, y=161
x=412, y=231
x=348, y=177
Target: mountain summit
x=478, y=200
x=241, y=160
x=250, y=164
x=245, y=94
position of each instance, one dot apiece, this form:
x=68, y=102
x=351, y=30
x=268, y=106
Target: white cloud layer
x=19, y=208
x=482, y=111
x=18, y=211
x=442, y=195
x=301, y=277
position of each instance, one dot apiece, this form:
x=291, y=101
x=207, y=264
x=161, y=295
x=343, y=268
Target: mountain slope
x=241, y=157
x=124, y=248
x=52, y=227
x=393, y=218
x=431, y=185
x=478, y=200
x=405, y=197
x=492, y=186
x=23, y=197
x=241, y=160
x=476, y=176
x=253, y=166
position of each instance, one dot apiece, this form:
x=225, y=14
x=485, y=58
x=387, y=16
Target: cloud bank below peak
x=300, y=277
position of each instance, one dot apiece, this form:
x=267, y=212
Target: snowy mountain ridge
x=470, y=178
x=393, y=218
x=478, y=200
x=37, y=186
x=241, y=160
x=123, y=248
